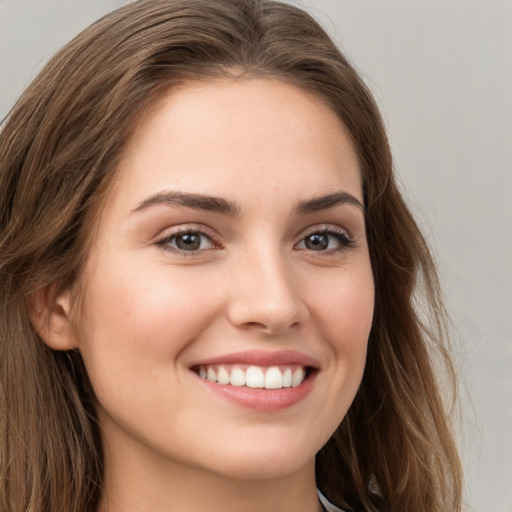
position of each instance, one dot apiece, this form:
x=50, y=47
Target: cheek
x=138, y=320
x=345, y=314
x=344, y=303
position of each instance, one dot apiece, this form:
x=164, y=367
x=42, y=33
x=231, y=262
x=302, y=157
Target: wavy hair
x=59, y=147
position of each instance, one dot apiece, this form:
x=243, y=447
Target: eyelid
x=326, y=228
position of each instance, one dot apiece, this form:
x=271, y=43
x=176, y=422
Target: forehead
x=241, y=133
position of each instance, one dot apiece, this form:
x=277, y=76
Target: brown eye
x=187, y=241
x=326, y=241
x=317, y=242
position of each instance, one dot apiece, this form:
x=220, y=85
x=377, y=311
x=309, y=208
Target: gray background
x=442, y=72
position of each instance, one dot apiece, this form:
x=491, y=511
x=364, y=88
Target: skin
x=149, y=311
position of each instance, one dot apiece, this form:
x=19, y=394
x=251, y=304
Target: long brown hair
x=59, y=147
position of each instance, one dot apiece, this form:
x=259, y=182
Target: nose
x=265, y=296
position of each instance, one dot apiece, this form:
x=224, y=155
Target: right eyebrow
x=195, y=201
x=329, y=201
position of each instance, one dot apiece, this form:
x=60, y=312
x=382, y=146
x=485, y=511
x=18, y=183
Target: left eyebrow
x=328, y=201
x=194, y=201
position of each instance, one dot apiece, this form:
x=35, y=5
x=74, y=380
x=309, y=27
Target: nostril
x=255, y=325
x=269, y=327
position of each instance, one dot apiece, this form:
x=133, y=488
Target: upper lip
x=262, y=358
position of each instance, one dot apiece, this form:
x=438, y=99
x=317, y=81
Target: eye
x=326, y=241
x=187, y=241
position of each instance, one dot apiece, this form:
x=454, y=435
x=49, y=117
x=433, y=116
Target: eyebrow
x=328, y=201
x=195, y=201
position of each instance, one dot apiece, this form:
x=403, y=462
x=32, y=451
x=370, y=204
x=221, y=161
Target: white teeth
x=211, y=375
x=287, y=378
x=297, y=377
x=222, y=376
x=237, y=377
x=254, y=376
x=273, y=378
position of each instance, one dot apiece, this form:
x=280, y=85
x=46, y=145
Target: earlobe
x=50, y=316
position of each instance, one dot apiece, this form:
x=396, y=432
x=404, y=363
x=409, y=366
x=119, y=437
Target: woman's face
x=228, y=296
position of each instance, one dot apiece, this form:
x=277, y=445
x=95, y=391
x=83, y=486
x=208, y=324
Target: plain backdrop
x=441, y=71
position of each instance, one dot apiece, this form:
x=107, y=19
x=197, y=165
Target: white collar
x=329, y=507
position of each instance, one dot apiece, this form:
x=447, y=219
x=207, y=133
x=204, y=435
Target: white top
x=329, y=507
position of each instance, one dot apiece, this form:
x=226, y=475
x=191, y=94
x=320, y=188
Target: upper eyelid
x=187, y=228
x=325, y=228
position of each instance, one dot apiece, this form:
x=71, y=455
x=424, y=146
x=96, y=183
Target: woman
x=209, y=278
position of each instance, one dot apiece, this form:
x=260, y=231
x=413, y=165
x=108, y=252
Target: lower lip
x=262, y=399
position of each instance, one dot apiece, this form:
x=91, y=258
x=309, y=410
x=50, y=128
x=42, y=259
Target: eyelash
x=341, y=236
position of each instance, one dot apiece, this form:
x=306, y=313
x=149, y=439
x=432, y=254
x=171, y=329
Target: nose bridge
x=264, y=293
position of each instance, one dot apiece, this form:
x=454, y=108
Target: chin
x=249, y=460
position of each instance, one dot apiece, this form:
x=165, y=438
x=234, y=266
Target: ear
x=50, y=315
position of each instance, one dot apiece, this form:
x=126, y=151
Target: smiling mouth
x=255, y=377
